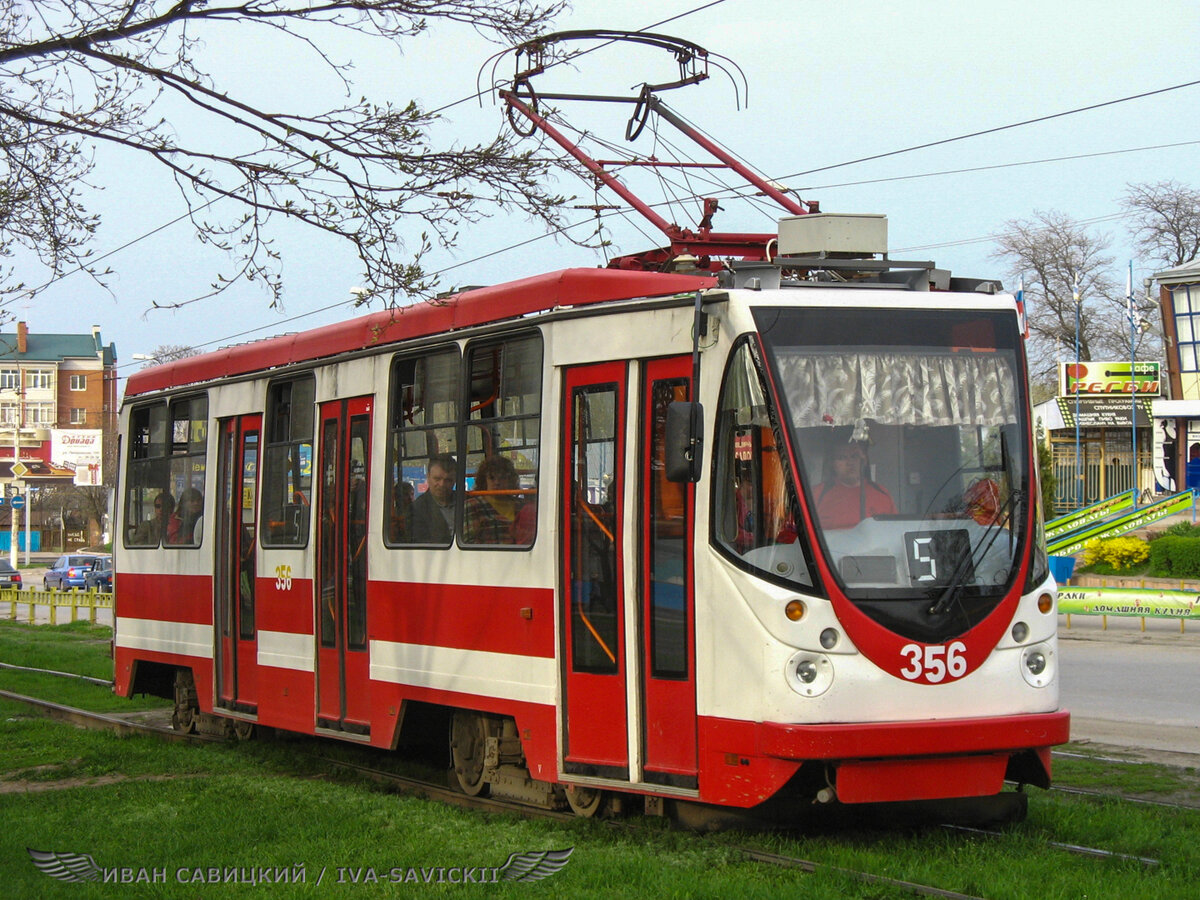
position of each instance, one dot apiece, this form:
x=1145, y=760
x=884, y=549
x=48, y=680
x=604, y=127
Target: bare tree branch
x=1053, y=254
x=1165, y=219
x=74, y=75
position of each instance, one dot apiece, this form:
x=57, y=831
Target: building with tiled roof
x=58, y=404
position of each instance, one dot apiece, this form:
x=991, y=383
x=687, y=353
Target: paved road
x=1130, y=688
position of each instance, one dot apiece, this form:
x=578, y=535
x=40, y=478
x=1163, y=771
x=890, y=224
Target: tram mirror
x=684, y=441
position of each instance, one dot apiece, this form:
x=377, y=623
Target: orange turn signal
x=794, y=610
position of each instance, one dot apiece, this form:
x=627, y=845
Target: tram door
x=594, y=716
x=666, y=599
x=341, y=576
x=236, y=510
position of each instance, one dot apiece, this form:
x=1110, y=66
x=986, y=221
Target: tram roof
x=567, y=287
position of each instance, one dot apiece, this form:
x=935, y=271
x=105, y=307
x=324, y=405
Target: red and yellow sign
x=1099, y=379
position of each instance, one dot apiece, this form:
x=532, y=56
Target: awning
x=1106, y=412
x=1176, y=409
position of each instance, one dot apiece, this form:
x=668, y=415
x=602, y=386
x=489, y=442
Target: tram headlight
x=1020, y=632
x=809, y=674
x=1037, y=665
x=829, y=638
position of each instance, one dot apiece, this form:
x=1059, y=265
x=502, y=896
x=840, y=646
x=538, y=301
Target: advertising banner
x=1129, y=602
x=1098, y=379
x=1077, y=540
x=79, y=449
x=1090, y=514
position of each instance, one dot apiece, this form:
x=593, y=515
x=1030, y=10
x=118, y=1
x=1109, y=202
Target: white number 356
x=934, y=661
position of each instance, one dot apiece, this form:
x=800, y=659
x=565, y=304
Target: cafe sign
x=1108, y=379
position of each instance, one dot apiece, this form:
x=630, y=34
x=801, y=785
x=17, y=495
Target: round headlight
x=1020, y=632
x=1037, y=665
x=809, y=674
x=829, y=638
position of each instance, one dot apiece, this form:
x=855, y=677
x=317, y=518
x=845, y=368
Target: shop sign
x=1094, y=379
x=1097, y=412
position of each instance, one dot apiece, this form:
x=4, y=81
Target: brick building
x=58, y=404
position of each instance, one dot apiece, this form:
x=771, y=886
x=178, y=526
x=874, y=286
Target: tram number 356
x=934, y=661
x=283, y=578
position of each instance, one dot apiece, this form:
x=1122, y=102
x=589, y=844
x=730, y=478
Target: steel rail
x=420, y=787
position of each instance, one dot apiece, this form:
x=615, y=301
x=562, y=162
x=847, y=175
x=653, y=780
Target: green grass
x=77, y=647
x=148, y=805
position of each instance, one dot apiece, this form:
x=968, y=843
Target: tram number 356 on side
x=934, y=661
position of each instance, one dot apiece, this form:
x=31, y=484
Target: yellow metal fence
x=18, y=604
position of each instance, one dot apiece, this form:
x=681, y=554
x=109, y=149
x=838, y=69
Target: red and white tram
x=587, y=621
x=761, y=532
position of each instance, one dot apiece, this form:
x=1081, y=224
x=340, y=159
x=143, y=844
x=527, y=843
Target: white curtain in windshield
x=899, y=389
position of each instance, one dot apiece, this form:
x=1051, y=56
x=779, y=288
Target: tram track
x=131, y=724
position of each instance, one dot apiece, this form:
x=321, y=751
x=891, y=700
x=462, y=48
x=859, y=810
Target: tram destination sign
x=1105, y=412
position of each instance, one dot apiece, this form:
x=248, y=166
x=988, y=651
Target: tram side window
x=754, y=507
x=287, y=462
x=504, y=397
x=421, y=465
x=164, y=500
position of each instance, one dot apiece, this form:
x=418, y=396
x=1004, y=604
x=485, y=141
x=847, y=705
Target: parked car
x=70, y=571
x=101, y=577
x=9, y=577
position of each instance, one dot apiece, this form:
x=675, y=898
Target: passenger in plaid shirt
x=492, y=514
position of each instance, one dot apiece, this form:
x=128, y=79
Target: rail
x=11, y=599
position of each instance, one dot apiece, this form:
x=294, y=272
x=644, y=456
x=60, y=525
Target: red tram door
x=666, y=593
x=341, y=570
x=596, y=740
x=235, y=563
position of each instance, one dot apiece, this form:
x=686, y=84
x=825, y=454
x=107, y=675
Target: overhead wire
x=913, y=148
x=29, y=292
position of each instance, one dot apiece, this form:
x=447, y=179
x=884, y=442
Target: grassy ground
x=192, y=812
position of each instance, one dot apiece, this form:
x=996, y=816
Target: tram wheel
x=186, y=715
x=585, y=802
x=468, y=747
x=242, y=730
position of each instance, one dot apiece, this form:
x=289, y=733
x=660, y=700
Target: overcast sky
x=828, y=84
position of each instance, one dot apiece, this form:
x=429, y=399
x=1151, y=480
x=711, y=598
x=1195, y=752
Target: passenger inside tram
x=158, y=528
x=496, y=513
x=432, y=517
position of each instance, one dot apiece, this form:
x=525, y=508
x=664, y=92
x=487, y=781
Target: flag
x=1021, y=319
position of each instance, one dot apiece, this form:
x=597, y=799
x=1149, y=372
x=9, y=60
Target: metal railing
x=11, y=599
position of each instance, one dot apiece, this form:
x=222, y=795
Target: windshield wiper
x=951, y=594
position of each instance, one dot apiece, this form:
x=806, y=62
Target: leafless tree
x=171, y=352
x=1164, y=219
x=1056, y=257
x=78, y=75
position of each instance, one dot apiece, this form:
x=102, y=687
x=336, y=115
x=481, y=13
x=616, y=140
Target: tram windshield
x=908, y=425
